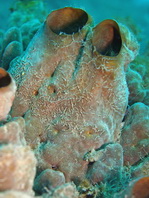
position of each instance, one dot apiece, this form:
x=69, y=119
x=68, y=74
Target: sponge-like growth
x=13, y=132
x=72, y=89
x=7, y=93
x=65, y=191
x=14, y=194
x=108, y=165
x=17, y=168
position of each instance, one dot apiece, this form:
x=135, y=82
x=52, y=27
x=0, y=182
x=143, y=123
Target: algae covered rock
x=135, y=133
x=108, y=164
x=138, y=83
x=48, y=179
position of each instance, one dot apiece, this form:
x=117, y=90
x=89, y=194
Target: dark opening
x=113, y=47
x=5, y=80
x=74, y=26
x=67, y=20
x=107, y=40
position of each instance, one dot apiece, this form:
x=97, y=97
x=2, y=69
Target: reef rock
x=141, y=169
x=108, y=165
x=67, y=190
x=13, y=132
x=72, y=89
x=14, y=194
x=17, y=161
x=48, y=179
x=17, y=168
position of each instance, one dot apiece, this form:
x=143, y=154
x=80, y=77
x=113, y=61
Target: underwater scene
x=74, y=99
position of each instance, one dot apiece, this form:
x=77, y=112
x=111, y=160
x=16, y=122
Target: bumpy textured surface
x=141, y=169
x=17, y=161
x=11, y=46
x=67, y=190
x=137, y=77
x=26, y=11
x=48, y=179
x=28, y=30
x=72, y=90
x=135, y=134
x=15, y=40
x=13, y=132
x=17, y=168
x=22, y=29
x=14, y=194
x=109, y=163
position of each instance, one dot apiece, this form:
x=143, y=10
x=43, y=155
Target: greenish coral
x=138, y=81
x=28, y=10
x=25, y=20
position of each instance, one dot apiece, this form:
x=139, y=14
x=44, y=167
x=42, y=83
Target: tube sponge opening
x=7, y=93
x=107, y=38
x=5, y=78
x=67, y=20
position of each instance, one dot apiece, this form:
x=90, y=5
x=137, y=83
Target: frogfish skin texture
x=72, y=89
